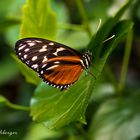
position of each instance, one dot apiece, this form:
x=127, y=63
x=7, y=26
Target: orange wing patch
x=63, y=75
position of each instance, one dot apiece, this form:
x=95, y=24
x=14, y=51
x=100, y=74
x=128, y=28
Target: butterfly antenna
x=98, y=27
x=109, y=38
x=91, y=73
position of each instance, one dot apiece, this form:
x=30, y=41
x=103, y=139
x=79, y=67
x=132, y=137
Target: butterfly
x=58, y=65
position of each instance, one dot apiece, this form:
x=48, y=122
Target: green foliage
x=65, y=106
x=109, y=112
x=71, y=105
x=117, y=119
x=8, y=13
x=38, y=20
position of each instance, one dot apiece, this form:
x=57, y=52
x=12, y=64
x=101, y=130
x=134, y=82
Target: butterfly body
x=58, y=65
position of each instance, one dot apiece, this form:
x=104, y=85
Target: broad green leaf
x=56, y=109
x=117, y=119
x=30, y=75
x=38, y=20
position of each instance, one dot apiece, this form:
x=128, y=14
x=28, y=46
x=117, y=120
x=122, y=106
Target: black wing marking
x=34, y=52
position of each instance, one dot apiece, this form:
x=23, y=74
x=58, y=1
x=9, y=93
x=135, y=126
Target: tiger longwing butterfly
x=58, y=65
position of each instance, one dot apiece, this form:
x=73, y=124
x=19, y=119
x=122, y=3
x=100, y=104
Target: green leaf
x=117, y=119
x=38, y=20
x=30, y=75
x=56, y=109
x=104, y=32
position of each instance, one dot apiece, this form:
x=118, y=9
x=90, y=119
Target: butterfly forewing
x=57, y=64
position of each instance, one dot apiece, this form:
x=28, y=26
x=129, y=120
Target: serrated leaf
x=30, y=75
x=38, y=20
x=117, y=119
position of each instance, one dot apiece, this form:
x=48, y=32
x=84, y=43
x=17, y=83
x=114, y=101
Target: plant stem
x=84, y=17
x=125, y=61
x=18, y=107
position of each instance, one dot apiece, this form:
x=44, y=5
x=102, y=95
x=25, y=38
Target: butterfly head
x=87, y=56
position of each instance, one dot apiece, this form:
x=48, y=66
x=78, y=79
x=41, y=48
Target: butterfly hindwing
x=62, y=74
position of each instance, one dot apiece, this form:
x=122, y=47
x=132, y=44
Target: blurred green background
x=107, y=118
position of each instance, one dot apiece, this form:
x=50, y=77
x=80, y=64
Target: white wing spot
x=20, y=48
x=34, y=66
x=56, y=62
x=25, y=56
x=55, y=53
x=51, y=43
x=44, y=65
x=52, y=67
x=43, y=49
x=34, y=58
x=45, y=59
x=20, y=44
x=26, y=50
x=38, y=41
x=28, y=41
x=19, y=54
x=31, y=44
x=60, y=49
x=42, y=72
x=27, y=62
